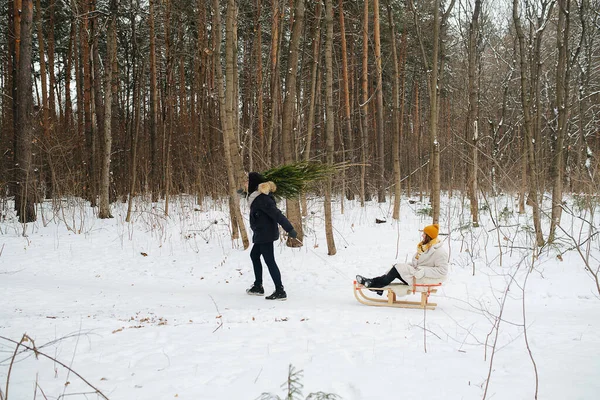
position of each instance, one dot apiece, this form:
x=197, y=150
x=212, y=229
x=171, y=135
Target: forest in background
x=108, y=100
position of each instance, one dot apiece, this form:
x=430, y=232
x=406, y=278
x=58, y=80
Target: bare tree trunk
x=199, y=95
x=71, y=55
x=79, y=83
x=169, y=105
x=329, y=127
x=403, y=52
x=365, y=104
x=396, y=117
x=43, y=76
x=434, y=115
x=523, y=191
x=563, y=74
x=52, y=73
x=379, y=105
x=472, y=120
x=155, y=183
x=138, y=78
x=287, y=127
x=259, y=86
x=232, y=104
x=275, y=95
x=531, y=125
x=313, y=91
x=433, y=86
x=97, y=105
x=46, y=173
x=87, y=101
x=226, y=103
x=348, y=134
x=417, y=141
x=111, y=53
x=9, y=90
x=24, y=196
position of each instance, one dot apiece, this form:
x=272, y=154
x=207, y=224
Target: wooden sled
x=396, y=290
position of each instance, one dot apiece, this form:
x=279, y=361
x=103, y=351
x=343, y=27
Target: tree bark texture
x=25, y=188
x=329, y=111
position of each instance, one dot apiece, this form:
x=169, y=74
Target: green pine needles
x=293, y=179
x=293, y=387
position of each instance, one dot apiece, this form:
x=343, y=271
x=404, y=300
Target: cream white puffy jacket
x=432, y=264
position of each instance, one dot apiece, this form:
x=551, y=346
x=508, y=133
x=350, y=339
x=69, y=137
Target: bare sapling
x=496, y=331
x=32, y=348
x=523, y=289
x=584, y=241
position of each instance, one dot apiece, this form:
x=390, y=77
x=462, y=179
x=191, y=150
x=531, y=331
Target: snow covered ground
x=157, y=309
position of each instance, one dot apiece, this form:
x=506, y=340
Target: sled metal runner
x=398, y=290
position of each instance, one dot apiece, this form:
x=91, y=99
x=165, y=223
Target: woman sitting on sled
x=430, y=261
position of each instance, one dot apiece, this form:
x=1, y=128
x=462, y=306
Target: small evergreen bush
x=293, y=386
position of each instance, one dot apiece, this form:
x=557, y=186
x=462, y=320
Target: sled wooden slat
x=392, y=296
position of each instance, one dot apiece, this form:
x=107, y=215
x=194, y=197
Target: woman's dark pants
x=266, y=250
x=386, y=279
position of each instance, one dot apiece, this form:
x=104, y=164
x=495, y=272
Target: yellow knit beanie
x=432, y=230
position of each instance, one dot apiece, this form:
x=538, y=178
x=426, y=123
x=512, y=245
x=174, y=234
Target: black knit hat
x=254, y=179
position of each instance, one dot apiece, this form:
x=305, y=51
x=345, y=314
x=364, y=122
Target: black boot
x=256, y=290
x=366, y=282
x=278, y=294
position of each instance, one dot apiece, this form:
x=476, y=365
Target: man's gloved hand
x=419, y=273
x=293, y=233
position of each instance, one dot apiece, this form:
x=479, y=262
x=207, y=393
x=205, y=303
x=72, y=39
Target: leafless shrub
x=33, y=349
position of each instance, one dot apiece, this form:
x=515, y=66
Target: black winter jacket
x=264, y=218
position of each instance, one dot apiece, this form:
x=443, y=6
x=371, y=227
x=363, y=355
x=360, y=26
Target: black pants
x=386, y=279
x=266, y=250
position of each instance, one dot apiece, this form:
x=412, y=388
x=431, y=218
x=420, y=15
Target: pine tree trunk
x=364, y=109
x=155, y=181
x=271, y=155
x=111, y=53
x=259, y=86
x=68, y=68
x=433, y=84
x=169, y=104
x=46, y=173
x=287, y=126
x=396, y=134
x=43, y=75
x=98, y=117
x=24, y=198
x=8, y=91
x=316, y=41
x=347, y=126
x=87, y=101
x=198, y=116
x=434, y=115
x=226, y=103
x=138, y=78
x=51, y=71
x=79, y=88
x=379, y=105
x=329, y=127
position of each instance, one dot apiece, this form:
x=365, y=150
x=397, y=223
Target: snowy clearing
x=157, y=309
